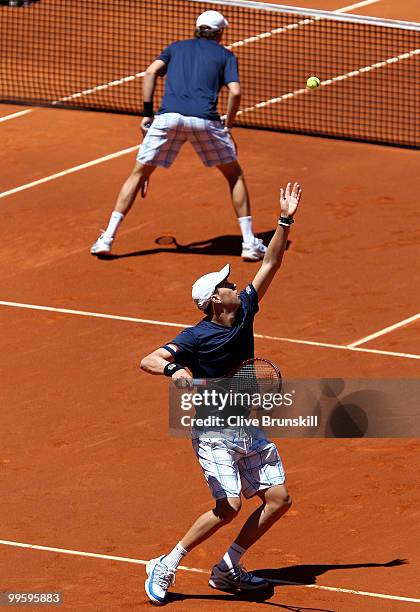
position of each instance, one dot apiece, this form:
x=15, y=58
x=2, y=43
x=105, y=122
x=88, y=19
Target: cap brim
x=223, y=274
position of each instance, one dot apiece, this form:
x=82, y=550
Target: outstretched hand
x=145, y=123
x=182, y=379
x=289, y=199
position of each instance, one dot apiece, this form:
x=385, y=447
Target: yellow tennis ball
x=313, y=82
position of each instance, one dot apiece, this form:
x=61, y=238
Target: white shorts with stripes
x=242, y=466
x=169, y=131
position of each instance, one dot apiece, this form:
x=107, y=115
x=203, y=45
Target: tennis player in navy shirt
x=233, y=463
x=196, y=70
x=209, y=348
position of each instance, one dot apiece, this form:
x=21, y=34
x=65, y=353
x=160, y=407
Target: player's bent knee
x=279, y=508
x=227, y=508
x=287, y=502
x=278, y=500
x=282, y=497
x=142, y=170
x=138, y=168
x=232, y=171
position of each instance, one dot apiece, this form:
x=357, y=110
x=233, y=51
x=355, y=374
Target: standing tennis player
x=196, y=70
x=232, y=464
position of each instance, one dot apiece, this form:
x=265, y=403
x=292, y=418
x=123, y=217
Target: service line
x=100, y=315
x=353, y=7
x=384, y=331
x=52, y=177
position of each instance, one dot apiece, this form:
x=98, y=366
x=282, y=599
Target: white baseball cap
x=212, y=19
x=204, y=287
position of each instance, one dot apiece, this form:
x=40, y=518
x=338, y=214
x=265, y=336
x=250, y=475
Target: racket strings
x=257, y=377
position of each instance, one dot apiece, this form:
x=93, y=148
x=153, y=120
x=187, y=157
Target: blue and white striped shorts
x=243, y=466
x=169, y=131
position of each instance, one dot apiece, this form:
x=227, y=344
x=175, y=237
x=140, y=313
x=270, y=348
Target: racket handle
x=145, y=127
x=200, y=382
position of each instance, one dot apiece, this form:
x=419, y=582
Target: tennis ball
x=313, y=82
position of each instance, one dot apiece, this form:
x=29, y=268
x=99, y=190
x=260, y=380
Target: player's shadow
x=308, y=574
x=295, y=575
x=260, y=597
x=228, y=245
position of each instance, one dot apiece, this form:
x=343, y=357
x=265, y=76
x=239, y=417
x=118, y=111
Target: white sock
x=245, y=223
x=232, y=557
x=175, y=557
x=113, y=224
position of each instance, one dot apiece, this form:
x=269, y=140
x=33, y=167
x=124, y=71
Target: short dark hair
x=206, y=32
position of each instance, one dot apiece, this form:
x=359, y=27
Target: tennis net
x=91, y=55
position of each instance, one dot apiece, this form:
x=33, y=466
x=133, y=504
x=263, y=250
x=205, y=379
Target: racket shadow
x=228, y=245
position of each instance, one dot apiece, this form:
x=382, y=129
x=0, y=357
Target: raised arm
x=289, y=202
x=156, y=69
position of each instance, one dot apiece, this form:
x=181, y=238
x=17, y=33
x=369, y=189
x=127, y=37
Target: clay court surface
x=86, y=461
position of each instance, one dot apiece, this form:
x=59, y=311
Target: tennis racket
x=256, y=375
x=251, y=382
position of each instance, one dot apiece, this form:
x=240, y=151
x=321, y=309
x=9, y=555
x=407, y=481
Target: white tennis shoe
x=102, y=246
x=236, y=579
x=253, y=251
x=159, y=578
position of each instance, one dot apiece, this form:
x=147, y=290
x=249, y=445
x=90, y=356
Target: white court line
x=342, y=347
x=94, y=162
x=98, y=315
x=297, y=24
x=386, y=330
x=79, y=553
x=16, y=115
x=353, y=7
x=91, y=90
x=85, y=313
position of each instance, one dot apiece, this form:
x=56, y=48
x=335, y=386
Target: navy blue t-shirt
x=211, y=350
x=197, y=69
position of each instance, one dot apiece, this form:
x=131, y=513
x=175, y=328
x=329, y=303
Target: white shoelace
x=164, y=576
